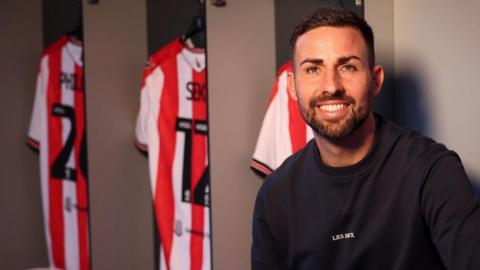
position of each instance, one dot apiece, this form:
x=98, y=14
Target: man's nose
x=332, y=82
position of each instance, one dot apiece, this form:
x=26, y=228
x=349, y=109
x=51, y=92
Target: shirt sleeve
x=452, y=214
x=146, y=131
x=39, y=106
x=274, y=143
x=264, y=251
x=141, y=124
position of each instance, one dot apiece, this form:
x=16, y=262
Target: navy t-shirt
x=407, y=205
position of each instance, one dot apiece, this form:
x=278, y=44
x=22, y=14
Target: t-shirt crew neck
x=349, y=172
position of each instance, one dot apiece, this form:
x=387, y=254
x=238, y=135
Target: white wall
x=437, y=64
x=120, y=197
x=22, y=240
x=379, y=14
x=241, y=69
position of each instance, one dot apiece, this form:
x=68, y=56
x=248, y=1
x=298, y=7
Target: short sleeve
x=141, y=124
x=39, y=103
x=150, y=93
x=274, y=143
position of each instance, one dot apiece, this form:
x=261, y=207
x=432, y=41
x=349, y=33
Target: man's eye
x=349, y=68
x=312, y=70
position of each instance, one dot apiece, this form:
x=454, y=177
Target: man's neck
x=350, y=150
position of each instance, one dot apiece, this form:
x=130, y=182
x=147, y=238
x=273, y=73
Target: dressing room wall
x=22, y=238
x=436, y=64
x=115, y=53
x=241, y=69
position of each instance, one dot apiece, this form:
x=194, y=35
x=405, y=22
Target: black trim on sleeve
x=260, y=168
x=142, y=148
x=33, y=144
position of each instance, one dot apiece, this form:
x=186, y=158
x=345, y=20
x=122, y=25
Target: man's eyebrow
x=314, y=61
x=346, y=59
x=342, y=60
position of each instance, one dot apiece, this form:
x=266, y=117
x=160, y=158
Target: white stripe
x=153, y=89
x=42, y=88
x=282, y=133
x=162, y=265
x=70, y=212
x=141, y=127
x=196, y=60
x=207, y=240
x=309, y=132
x=180, y=258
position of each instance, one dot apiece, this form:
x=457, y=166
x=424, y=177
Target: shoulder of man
x=416, y=146
x=291, y=167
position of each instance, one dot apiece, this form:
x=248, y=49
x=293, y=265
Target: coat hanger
x=196, y=30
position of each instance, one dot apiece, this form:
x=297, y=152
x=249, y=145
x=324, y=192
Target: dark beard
x=336, y=131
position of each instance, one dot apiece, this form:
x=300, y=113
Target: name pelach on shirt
x=343, y=236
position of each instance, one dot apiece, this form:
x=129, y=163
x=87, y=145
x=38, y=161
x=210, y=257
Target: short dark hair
x=337, y=17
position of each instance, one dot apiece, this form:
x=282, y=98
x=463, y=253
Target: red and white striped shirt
x=172, y=126
x=57, y=130
x=283, y=130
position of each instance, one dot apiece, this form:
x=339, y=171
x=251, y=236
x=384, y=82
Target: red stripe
x=164, y=200
x=199, y=146
x=296, y=125
x=287, y=67
x=260, y=167
x=82, y=188
x=146, y=72
x=55, y=187
x=274, y=92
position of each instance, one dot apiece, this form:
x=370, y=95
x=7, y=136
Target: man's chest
x=366, y=220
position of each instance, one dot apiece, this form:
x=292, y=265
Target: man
x=364, y=193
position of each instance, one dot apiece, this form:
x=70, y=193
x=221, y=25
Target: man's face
x=333, y=81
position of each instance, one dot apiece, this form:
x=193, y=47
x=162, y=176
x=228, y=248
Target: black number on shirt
x=59, y=169
x=201, y=193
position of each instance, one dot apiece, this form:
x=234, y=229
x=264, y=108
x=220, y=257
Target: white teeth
x=332, y=107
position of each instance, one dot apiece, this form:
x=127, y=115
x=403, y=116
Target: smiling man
x=364, y=193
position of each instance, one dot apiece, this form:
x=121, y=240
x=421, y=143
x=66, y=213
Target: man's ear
x=377, y=79
x=291, y=85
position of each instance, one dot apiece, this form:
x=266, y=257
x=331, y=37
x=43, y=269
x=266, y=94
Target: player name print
x=72, y=81
x=57, y=130
x=197, y=91
x=172, y=126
